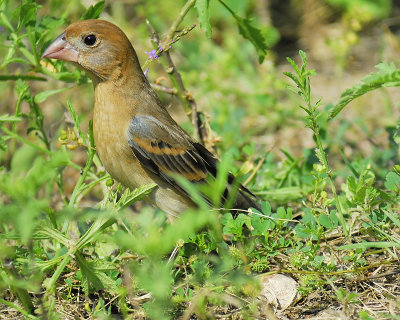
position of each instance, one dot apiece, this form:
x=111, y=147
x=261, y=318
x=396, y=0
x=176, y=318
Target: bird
x=136, y=139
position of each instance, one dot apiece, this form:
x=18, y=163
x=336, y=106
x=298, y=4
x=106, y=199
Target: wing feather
x=166, y=150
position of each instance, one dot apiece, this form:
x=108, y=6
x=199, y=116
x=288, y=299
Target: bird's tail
x=235, y=195
x=245, y=199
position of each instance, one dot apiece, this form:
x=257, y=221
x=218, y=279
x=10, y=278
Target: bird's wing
x=165, y=149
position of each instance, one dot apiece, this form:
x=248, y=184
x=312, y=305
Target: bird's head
x=97, y=46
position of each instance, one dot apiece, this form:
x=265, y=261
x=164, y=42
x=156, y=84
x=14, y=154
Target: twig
x=269, y=312
x=333, y=273
x=143, y=298
x=177, y=22
x=172, y=91
x=16, y=136
x=185, y=97
x=156, y=53
x=386, y=274
x=258, y=166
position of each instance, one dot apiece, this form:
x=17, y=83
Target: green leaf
x=396, y=134
x=94, y=231
x=392, y=181
x=393, y=217
x=42, y=96
x=249, y=32
x=130, y=197
x=9, y=118
x=283, y=194
x=27, y=14
x=21, y=76
x=266, y=208
x=54, y=234
x=270, y=34
x=28, y=55
x=324, y=220
x=93, y=278
x=46, y=264
x=160, y=241
x=48, y=23
x=193, y=191
x=6, y=23
x=203, y=13
x=260, y=225
x=333, y=218
x=93, y=12
x=387, y=76
x=22, y=159
x=366, y=245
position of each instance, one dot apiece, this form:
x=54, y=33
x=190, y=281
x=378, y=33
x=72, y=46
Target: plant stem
x=315, y=128
x=22, y=311
x=91, y=152
x=331, y=183
x=16, y=136
x=332, y=273
x=178, y=21
x=185, y=97
x=303, y=84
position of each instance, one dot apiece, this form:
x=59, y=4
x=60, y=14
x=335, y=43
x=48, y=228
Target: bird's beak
x=61, y=49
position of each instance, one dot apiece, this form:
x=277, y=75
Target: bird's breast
x=110, y=125
x=111, y=119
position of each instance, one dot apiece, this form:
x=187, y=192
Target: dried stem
x=172, y=91
x=185, y=97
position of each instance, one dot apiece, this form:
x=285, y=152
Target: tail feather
x=245, y=201
x=244, y=198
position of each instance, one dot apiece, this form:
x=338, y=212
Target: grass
x=75, y=244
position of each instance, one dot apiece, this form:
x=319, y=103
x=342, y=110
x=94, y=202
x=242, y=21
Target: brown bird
x=136, y=138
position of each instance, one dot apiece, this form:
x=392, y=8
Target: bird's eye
x=90, y=40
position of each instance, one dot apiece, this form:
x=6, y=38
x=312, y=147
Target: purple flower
x=152, y=54
x=145, y=72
